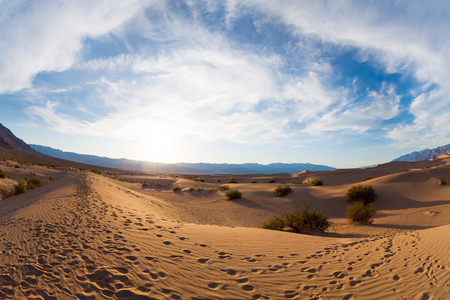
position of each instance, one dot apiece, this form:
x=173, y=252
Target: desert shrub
x=223, y=187
x=33, y=183
x=254, y=181
x=19, y=188
x=317, y=182
x=232, y=180
x=272, y=181
x=443, y=181
x=367, y=178
x=276, y=223
x=299, y=220
x=232, y=195
x=211, y=190
x=360, y=213
x=176, y=188
x=3, y=174
x=282, y=191
x=365, y=194
x=304, y=219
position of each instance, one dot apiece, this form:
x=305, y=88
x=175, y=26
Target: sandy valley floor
x=91, y=236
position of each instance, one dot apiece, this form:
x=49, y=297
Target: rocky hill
x=425, y=154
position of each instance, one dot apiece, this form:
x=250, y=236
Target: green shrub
x=19, y=188
x=365, y=194
x=302, y=220
x=223, y=187
x=360, y=213
x=299, y=221
x=317, y=182
x=3, y=174
x=176, y=188
x=232, y=180
x=232, y=195
x=274, y=224
x=282, y=191
x=34, y=183
x=443, y=181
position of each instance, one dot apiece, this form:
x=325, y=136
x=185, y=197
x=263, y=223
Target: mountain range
x=187, y=168
x=10, y=145
x=425, y=154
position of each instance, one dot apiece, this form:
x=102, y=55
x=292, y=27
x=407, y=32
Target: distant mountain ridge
x=425, y=154
x=187, y=168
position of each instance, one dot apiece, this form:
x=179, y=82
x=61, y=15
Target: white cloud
x=44, y=36
x=409, y=37
x=360, y=116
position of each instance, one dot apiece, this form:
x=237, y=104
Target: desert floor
x=96, y=234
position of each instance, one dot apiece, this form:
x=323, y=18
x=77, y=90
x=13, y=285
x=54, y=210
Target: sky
x=340, y=83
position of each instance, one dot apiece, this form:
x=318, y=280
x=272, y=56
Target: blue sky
x=341, y=83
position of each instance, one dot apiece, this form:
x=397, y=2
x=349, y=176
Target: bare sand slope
x=86, y=236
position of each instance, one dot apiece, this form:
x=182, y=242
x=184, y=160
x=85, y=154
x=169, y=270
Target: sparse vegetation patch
x=233, y=195
x=361, y=193
x=232, y=180
x=283, y=191
x=360, y=213
x=223, y=187
x=317, y=182
x=299, y=220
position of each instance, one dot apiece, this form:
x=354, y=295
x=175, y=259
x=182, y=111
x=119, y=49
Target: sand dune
x=88, y=236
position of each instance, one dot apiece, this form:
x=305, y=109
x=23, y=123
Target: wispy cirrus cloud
x=47, y=36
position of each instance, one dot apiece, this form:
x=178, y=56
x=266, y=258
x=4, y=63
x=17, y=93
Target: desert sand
x=104, y=235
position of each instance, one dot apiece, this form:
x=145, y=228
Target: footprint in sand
x=248, y=288
x=216, y=286
x=131, y=258
x=290, y=294
x=202, y=260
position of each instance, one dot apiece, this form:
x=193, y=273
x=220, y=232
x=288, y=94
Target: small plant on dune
x=283, y=191
x=276, y=223
x=304, y=219
x=176, y=188
x=299, y=220
x=254, y=181
x=3, y=174
x=223, y=187
x=443, y=181
x=20, y=187
x=232, y=180
x=360, y=213
x=367, y=178
x=317, y=182
x=34, y=183
x=365, y=194
x=233, y=195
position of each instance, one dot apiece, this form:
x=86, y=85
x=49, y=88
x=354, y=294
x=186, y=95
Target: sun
x=160, y=146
